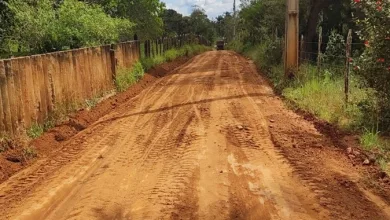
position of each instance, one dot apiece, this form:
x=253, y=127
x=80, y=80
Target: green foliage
x=172, y=54
x=323, y=95
x=35, y=131
x=335, y=49
x=261, y=19
x=372, y=18
x=373, y=142
x=29, y=153
x=5, y=143
x=80, y=25
x=236, y=45
x=225, y=26
x=201, y=25
x=266, y=55
x=370, y=139
x=174, y=23
x=40, y=27
x=90, y=103
x=126, y=77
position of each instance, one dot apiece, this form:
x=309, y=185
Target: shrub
x=266, y=55
x=335, y=49
x=35, y=131
x=172, y=54
x=324, y=96
x=40, y=27
x=372, y=18
x=126, y=77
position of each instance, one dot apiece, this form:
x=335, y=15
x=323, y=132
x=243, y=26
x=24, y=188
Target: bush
x=324, y=96
x=335, y=49
x=266, y=55
x=35, y=131
x=127, y=77
x=40, y=27
x=172, y=54
x=372, y=18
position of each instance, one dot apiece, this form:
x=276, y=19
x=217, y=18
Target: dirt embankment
x=15, y=159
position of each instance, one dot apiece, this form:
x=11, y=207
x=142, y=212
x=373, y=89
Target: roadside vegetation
x=320, y=91
x=41, y=26
x=128, y=76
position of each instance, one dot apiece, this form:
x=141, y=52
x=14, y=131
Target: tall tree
x=200, y=24
x=146, y=14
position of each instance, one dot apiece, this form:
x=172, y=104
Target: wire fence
x=332, y=56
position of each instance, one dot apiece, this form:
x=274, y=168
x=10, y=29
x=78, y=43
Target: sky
x=213, y=8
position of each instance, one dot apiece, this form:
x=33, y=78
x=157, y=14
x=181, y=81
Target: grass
x=126, y=77
x=35, y=131
x=370, y=140
x=373, y=142
x=5, y=143
x=29, y=153
x=91, y=103
x=172, y=54
x=322, y=94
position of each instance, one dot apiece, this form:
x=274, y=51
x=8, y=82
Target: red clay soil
x=210, y=142
x=13, y=159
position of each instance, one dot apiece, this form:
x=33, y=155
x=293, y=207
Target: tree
x=174, y=23
x=200, y=24
x=6, y=19
x=373, y=20
x=45, y=25
x=336, y=15
x=261, y=19
x=224, y=26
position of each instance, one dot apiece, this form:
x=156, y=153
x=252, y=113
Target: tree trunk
x=311, y=29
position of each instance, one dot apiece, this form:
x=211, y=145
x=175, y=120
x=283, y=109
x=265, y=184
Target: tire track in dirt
x=345, y=202
x=197, y=144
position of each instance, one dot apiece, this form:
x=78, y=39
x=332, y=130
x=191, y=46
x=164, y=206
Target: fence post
x=156, y=43
x=347, y=65
x=150, y=49
x=160, y=45
x=113, y=61
x=319, y=55
x=291, y=38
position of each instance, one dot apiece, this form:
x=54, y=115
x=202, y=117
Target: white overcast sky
x=213, y=7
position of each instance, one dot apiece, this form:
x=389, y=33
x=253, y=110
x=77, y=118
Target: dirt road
x=211, y=141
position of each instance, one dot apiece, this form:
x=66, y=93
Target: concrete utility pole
x=234, y=19
x=292, y=37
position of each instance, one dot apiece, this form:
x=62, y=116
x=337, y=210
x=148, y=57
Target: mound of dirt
x=13, y=159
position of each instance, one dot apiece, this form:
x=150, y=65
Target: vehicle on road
x=220, y=45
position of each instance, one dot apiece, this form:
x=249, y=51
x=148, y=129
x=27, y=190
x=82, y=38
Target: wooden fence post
x=291, y=58
x=347, y=65
x=113, y=61
x=156, y=44
x=152, y=48
x=319, y=55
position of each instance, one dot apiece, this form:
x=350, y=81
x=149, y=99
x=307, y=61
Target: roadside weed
x=35, y=131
